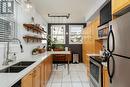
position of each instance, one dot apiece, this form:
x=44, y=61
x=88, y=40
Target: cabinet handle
x=34, y=74
x=30, y=74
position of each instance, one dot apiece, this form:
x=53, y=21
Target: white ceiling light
x=28, y=4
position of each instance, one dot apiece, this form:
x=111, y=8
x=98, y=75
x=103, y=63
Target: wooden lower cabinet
x=27, y=81
x=32, y=79
x=105, y=77
x=39, y=76
x=43, y=74
x=48, y=68
x=36, y=78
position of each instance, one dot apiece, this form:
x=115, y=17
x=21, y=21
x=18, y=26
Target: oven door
x=95, y=74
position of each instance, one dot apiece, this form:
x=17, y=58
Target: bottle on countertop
x=105, y=53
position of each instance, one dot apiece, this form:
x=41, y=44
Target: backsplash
x=23, y=16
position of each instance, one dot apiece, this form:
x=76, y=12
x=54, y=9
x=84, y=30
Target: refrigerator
x=118, y=46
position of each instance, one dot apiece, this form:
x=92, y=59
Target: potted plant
x=51, y=43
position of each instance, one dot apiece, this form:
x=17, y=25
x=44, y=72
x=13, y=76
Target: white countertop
x=93, y=54
x=60, y=52
x=104, y=64
x=9, y=79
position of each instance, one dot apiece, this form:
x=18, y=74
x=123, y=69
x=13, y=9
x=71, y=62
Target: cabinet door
x=105, y=78
x=27, y=81
x=43, y=75
x=36, y=77
x=95, y=25
x=46, y=70
x=118, y=5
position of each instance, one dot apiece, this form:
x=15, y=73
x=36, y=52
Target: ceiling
x=78, y=9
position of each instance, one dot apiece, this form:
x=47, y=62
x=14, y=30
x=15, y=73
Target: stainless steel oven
x=95, y=73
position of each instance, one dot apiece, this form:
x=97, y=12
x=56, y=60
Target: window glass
x=58, y=34
x=75, y=32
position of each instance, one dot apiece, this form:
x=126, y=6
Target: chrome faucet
x=7, y=60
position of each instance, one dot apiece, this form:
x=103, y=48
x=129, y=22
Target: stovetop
x=98, y=59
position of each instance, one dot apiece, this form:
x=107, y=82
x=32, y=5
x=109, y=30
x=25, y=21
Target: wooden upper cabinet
x=89, y=32
x=95, y=27
x=27, y=81
x=118, y=5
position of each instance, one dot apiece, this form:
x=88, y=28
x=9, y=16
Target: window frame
x=64, y=35
x=70, y=34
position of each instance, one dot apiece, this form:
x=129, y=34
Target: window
x=58, y=34
x=75, y=36
x=7, y=29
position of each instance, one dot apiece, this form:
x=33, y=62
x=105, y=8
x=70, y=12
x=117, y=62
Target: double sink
x=17, y=67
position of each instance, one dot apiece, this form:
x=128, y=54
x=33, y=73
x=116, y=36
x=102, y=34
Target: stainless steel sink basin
x=24, y=63
x=12, y=69
x=17, y=67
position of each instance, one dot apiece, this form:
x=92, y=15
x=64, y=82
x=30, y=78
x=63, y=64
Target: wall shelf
x=102, y=38
x=34, y=28
x=28, y=38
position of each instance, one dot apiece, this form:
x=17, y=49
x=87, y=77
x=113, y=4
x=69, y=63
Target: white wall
x=94, y=11
x=23, y=16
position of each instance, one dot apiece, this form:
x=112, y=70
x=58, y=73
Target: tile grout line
x=71, y=78
x=78, y=72
x=62, y=78
x=80, y=79
x=52, y=79
x=84, y=81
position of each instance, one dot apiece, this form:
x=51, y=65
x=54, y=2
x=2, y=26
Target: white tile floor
x=76, y=78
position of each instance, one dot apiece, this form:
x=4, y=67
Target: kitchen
x=45, y=44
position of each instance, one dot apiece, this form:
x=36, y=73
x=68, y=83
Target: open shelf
x=102, y=38
x=34, y=28
x=28, y=38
